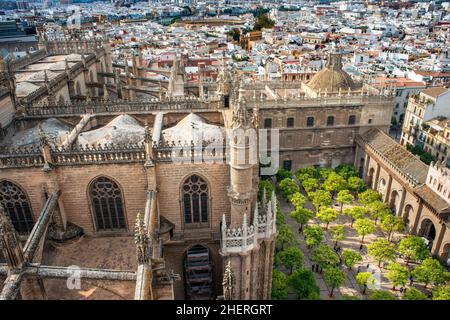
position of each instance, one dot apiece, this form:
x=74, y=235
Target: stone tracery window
x=107, y=204
x=15, y=202
x=195, y=200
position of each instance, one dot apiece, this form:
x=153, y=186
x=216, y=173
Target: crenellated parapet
x=245, y=237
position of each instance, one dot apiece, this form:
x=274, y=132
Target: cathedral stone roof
x=193, y=128
x=122, y=130
x=54, y=130
x=332, y=77
x=396, y=154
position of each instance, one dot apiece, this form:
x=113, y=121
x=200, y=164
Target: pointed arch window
x=195, y=200
x=107, y=204
x=17, y=207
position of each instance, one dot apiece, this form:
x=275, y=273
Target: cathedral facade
x=174, y=175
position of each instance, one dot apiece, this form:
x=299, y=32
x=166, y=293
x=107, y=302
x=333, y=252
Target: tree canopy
x=368, y=196
x=321, y=198
x=302, y=216
x=382, y=295
x=327, y=215
x=382, y=250
x=288, y=187
x=413, y=248
x=351, y=258
x=290, y=258
x=304, y=285
x=397, y=274
x=279, y=285
x=364, y=227
x=314, y=235
x=325, y=256
x=334, y=278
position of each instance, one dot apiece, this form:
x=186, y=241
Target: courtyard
x=339, y=240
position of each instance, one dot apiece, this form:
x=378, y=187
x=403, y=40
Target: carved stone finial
x=142, y=241
x=42, y=135
x=227, y=282
x=105, y=92
x=241, y=118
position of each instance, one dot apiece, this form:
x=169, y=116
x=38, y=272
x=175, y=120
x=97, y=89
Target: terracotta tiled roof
x=435, y=91
x=396, y=154
x=432, y=199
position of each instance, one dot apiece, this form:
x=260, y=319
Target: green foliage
x=290, y=258
x=356, y=184
x=413, y=248
x=279, y=285
x=397, y=274
x=298, y=200
x=441, y=293
x=344, y=197
x=334, y=278
x=310, y=184
x=286, y=237
x=424, y=156
x=304, y=285
x=281, y=219
x=355, y=212
x=288, y=187
x=321, y=198
x=302, y=216
x=283, y=174
x=430, y=271
x=265, y=184
x=382, y=250
x=325, y=256
x=314, y=236
x=327, y=215
x=364, y=227
x=378, y=210
x=368, y=196
x=346, y=171
x=365, y=279
x=263, y=21
x=382, y=295
x=337, y=233
x=351, y=258
x=334, y=183
x=414, y=294
x=235, y=34
x=391, y=223
x=306, y=173
x=325, y=172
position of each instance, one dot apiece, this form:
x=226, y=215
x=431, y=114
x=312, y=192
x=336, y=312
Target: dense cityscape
x=224, y=150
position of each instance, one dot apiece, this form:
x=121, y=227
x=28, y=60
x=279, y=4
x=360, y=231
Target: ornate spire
x=105, y=92
x=241, y=118
x=142, y=241
x=42, y=136
x=147, y=134
x=227, y=282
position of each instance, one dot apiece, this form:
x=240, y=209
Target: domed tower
x=331, y=80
